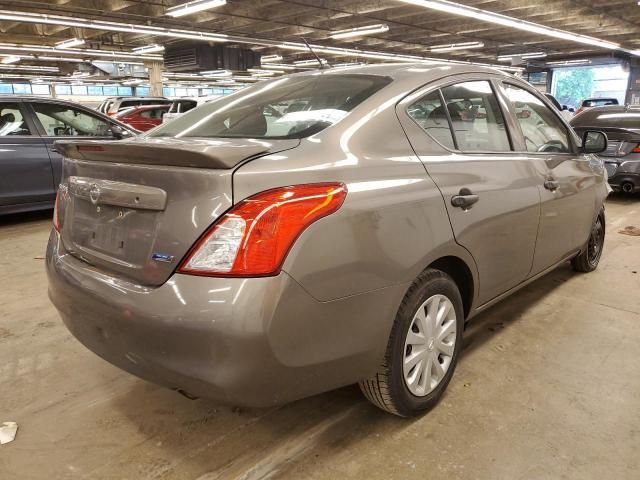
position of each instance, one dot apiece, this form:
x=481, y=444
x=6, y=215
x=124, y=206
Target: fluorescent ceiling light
x=358, y=31
x=506, y=21
x=270, y=58
x=193, y=7
x=217, y=73
x=39, y=68
x=112, y=54
x=569, y=62
x=257, y=70
x=73, y=42
x=347, y=64
x=149, y=49
x=310, y=62
x=523, y=56
x=456, y=46
x=10, y=59
x=46, y=19
x=280, y=66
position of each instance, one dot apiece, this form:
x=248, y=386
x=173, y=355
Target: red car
x=143, y=117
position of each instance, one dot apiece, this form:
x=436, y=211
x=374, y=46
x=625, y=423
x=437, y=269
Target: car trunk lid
x=134, y=208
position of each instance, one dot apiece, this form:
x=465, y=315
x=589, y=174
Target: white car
x=183, y=105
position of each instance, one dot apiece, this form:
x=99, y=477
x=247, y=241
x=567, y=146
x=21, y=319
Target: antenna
x=322, y=65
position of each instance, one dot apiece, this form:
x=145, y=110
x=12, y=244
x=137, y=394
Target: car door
x=490, y=192
x=567, y=180
x=25, y=168
x=57, y=120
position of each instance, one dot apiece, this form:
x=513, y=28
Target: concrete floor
x=548, y=388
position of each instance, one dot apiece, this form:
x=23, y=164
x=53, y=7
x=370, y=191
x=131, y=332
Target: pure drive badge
x=162, y=257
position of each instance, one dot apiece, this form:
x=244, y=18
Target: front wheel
x=423, y=348
x=588, y=259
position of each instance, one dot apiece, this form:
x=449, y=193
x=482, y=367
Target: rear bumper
x=254, y=342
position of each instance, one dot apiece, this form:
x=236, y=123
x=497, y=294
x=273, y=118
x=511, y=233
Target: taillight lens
x=637, y=149
x=57, y=221
x=254, y=237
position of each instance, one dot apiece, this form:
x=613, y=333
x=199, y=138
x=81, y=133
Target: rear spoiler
x=196, y=153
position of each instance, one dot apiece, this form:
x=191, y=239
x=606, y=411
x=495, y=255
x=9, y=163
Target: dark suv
x=622, y=156
x=30, y=168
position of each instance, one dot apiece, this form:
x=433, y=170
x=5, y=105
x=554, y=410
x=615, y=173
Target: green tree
x=573, y=85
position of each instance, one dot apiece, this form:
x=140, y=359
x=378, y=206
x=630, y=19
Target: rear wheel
x=588, y=259
x=423, y=348
x=627, y=187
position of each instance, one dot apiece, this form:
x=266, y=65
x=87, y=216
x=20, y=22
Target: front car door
x=568, y=181
x=459, y=129
x=57, y=121
x=26, y=180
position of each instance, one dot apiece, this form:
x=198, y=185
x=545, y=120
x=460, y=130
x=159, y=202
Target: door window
x=64, y=121
x=542, y=129
x=11, y=120
x=154, y=114
x=431, y=116
x=478, y=123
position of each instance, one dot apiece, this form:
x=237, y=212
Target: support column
x=155, y=77
x=633, y=86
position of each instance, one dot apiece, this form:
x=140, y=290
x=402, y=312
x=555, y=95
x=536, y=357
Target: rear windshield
x=289, y=107
x=599, y=102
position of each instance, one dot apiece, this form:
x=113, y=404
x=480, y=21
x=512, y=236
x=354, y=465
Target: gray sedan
x=321, y=229
x=30, y=168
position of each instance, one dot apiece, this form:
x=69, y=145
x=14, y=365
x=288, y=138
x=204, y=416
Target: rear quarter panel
x=393, y=223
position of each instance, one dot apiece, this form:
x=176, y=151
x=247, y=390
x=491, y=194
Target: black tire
x=387, y=389
x=587, y=260
x=627, y=187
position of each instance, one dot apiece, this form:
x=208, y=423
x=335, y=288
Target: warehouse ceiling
x=413, y=29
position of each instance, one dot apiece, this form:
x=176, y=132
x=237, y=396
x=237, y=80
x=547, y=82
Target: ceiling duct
x=198, y=57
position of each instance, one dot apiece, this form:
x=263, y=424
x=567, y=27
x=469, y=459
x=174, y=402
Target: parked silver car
x=30, y=168
x=321, y=229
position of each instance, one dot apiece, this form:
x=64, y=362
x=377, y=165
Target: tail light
x=254, y=237
x=57, y=221
x=637, y=149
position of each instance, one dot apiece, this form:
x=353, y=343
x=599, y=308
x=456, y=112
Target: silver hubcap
x=428, y=349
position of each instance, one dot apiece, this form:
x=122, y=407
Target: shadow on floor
x=25, y=218
x=262, y=443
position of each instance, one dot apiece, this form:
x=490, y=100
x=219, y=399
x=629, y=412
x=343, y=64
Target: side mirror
x=119, y=133
x=594, y=141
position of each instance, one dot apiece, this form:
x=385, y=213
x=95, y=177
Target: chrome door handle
x=465, y=199
x=551, y=185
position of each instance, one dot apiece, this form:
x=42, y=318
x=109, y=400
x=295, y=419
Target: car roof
x=135, y=98
x=406, y=76
x=149, y=107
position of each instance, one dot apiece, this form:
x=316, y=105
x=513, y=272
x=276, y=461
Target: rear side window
x=542, y=129
x=11, y=120
x=66, y=121
x=128, y=103
x=476, y=118
x=154, y=113
x=430, y=115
